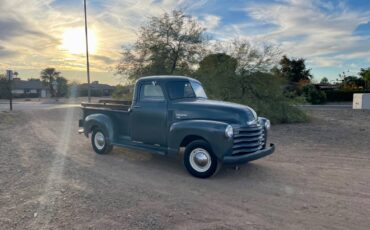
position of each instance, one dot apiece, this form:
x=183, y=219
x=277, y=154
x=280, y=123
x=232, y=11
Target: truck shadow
x=174, y=165
x=251, y=170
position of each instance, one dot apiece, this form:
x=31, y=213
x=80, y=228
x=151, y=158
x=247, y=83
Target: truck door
x=148, y=117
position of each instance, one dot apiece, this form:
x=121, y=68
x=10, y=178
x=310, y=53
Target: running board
x=144, y=147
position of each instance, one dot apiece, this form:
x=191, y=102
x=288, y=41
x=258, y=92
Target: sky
x=332, y=35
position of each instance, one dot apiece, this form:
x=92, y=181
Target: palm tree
x=48, y=76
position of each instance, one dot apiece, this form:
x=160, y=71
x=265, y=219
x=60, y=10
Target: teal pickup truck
x=170, y=112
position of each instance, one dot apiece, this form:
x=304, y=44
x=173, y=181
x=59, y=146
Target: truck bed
x=117, y=111
x=109, y=104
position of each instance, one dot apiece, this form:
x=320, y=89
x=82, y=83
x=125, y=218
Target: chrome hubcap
x=99, y=140
x=200, y=160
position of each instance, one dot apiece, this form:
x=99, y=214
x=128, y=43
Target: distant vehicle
x=170, y=112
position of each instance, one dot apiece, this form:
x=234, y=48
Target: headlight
x=229, y=132
x=265, y=122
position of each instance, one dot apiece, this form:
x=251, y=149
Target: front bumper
x=240, y=159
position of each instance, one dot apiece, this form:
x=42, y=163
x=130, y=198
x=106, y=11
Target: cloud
x=5, y=53
x=324, y=28
x=326, y=33
x=25, y=37
x=210, y=22
x=35, y=29
x=104, y=59
x=324, y=62
x=363, y=29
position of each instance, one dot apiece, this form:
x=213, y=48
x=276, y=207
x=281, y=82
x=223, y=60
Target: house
x=97, y=89
x=326, y=86
x=29, y=88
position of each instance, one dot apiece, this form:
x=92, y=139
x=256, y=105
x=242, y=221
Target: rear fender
x=101, y=121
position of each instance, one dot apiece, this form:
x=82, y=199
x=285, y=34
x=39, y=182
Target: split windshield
x=185, y=89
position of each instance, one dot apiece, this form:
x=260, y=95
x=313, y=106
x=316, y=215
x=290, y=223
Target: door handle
x=136, y=106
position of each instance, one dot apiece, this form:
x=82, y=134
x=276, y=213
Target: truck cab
x=170, y=112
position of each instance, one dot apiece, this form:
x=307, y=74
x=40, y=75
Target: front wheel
x=99, y=142
x=199, y=159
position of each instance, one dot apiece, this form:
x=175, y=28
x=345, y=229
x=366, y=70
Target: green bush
x=313, y=95
x=261, y=91
x=266, y=97
x=123, y=92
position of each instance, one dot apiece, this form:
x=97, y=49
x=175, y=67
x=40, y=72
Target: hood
x=231, y=113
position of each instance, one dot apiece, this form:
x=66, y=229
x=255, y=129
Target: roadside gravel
x=50, y=178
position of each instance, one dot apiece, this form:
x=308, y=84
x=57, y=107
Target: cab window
x=151, y=91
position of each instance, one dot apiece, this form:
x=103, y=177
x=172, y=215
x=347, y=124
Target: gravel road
x=50, y=178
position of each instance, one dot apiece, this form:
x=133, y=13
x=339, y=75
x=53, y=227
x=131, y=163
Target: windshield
x=185, y=89
x=198, y=90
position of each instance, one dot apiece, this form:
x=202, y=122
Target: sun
x=74, y=41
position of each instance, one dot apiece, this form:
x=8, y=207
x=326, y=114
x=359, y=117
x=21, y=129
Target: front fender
x=99, y=120
x=212, y=131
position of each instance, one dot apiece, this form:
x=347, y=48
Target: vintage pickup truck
x=170, y=112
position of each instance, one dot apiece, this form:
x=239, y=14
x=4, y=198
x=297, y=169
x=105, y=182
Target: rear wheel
x=99, y=141
x=199, y=159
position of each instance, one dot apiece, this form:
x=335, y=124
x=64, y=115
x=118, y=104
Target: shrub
x=266, y=97
x=313, y=95
x=261, y=91
x=123, y=92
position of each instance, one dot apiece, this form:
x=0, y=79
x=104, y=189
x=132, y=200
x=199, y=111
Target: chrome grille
x=248, y=140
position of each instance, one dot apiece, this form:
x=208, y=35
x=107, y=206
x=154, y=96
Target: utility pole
x=9, y=75
x=87, y=57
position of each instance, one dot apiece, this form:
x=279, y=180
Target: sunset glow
x=74, y=41
x=333, y=35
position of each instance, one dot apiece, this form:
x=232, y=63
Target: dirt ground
x=50, y=178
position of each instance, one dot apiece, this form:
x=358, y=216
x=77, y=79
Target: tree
x=251, y=58
x=171, y=43
x=123, y=92
x=62, y=87
x=217, y=73
x=313, y=95
x=294, y=70
x=324, y=80
x=262, y=91
x=48, y=76
x=365, y=75
x=352, y=82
